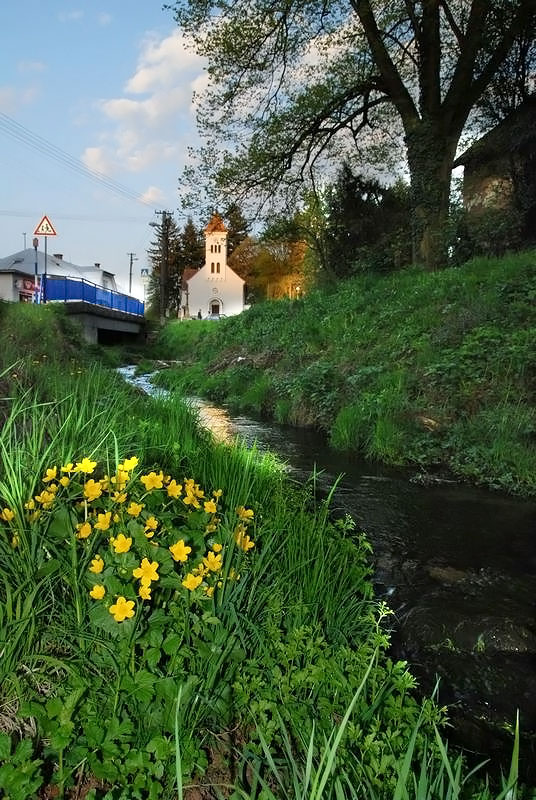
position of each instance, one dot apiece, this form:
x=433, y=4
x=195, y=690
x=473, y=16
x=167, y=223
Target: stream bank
x=456, y=563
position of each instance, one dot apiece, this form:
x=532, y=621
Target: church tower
x=216, y=248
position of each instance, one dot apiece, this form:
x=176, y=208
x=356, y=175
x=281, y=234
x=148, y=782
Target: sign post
x=45, y=228
x=36, y=286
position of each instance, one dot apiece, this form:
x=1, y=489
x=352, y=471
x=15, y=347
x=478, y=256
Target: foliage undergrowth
x=175, y=616
x=434, y=369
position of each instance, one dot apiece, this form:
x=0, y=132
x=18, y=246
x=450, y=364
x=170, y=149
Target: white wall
x=204, y=288
x=7, y=287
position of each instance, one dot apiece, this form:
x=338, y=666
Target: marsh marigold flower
x=122, y=543
x=98, y=592
x=210, y=507
x=245, y=514
x=86, y=465
x=217, y=547
x=135, y=509
x=92, y=490
x=174, y=489
x=119, y=497
x=243, y=540
x=145, y=592
x=50, y=474
x=152, y=480
x=180, y=551
x=7, y=514
x=128, y=464
x=191, y=581
x=84, y=530
x=122, y=609
x=104, y=521
x=97, y=565
x=68, y=467
x=146, y=572
x=212, y=561
x=65, y=481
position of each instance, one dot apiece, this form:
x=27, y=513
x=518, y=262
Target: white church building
x=215, y=288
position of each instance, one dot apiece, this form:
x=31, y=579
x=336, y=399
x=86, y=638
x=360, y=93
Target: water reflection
x=457, y=563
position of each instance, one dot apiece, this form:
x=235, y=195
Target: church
x=215, y=289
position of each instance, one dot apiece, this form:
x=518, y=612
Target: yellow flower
x=122, y=543
x=191, y=500
x=135, y=509
x=217, y=547
x=67, y=467
x=212, y=561
x=122, y=609
x=146, y=572
x=86, y=465
x=104, y=521
x=84, y=530
x=98, y=592
x=152, y=480
x=45, y=498
x=245, y=514
x=174, y=489
x=218, y=493
x=97, y=565
x=53, y=488
x=234, y=575
x=128, y=464
x=65, y=481
x=119, y=497
x=92, y=490
x=211, y=527
x=120, y=480
x=191, y=581
x=7, y=515
x=145, y=592
x=210, y=507
x=243, y=540
x=180, y=551
x=50, y=474
x=151, y=524
x=15, y=541
x=30, y=504
x=209, y=591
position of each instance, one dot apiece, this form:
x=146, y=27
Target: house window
x=212, y=267
x=219, y=248
x=218, y=267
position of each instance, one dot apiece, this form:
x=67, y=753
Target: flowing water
x=456, y=563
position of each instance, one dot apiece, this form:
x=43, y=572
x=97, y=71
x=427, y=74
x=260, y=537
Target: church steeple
x=216, y=247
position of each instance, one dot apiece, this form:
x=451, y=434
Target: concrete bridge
x=106, y=316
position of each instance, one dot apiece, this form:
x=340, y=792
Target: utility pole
x=132, y=258
x=164, y=236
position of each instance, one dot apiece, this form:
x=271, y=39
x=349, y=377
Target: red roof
x=216, y=225
x=188, y=273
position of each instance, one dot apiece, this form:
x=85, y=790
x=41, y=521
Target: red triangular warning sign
x=45, y=228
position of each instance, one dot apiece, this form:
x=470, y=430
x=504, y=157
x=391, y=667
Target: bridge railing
x=78, y=289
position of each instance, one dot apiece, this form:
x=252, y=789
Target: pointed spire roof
x=216, y=225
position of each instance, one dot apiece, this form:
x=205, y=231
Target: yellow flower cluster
x=140, y=530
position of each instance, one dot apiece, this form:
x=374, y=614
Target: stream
x=456, y=563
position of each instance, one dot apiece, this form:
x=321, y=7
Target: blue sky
x=109, y=84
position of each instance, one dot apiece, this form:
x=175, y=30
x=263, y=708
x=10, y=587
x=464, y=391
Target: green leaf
x=172, y=643
x=5, y=746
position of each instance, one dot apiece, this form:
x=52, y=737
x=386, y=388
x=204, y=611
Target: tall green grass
x=412, y=367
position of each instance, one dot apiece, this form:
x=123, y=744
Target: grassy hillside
x=425, y=368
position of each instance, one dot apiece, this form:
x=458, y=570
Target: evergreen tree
x=237, y=227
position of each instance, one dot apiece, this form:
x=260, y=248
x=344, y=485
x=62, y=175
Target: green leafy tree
x=367, y=226
x=297, y=86
x=237, y=227
x=165, y=254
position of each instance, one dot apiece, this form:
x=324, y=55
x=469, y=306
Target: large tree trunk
x=430, y=158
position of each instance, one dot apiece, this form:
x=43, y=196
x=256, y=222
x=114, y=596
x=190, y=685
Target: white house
x=17, y=273
x=215, y=288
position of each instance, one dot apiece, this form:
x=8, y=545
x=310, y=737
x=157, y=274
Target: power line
x=72, y=217
x=13, y=129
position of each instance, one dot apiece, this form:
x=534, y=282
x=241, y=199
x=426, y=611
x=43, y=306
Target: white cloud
x=25, y=67
x=151, y=124
x=11, y=98
x=153, y=195
x=70, y=16
x=104, y=19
